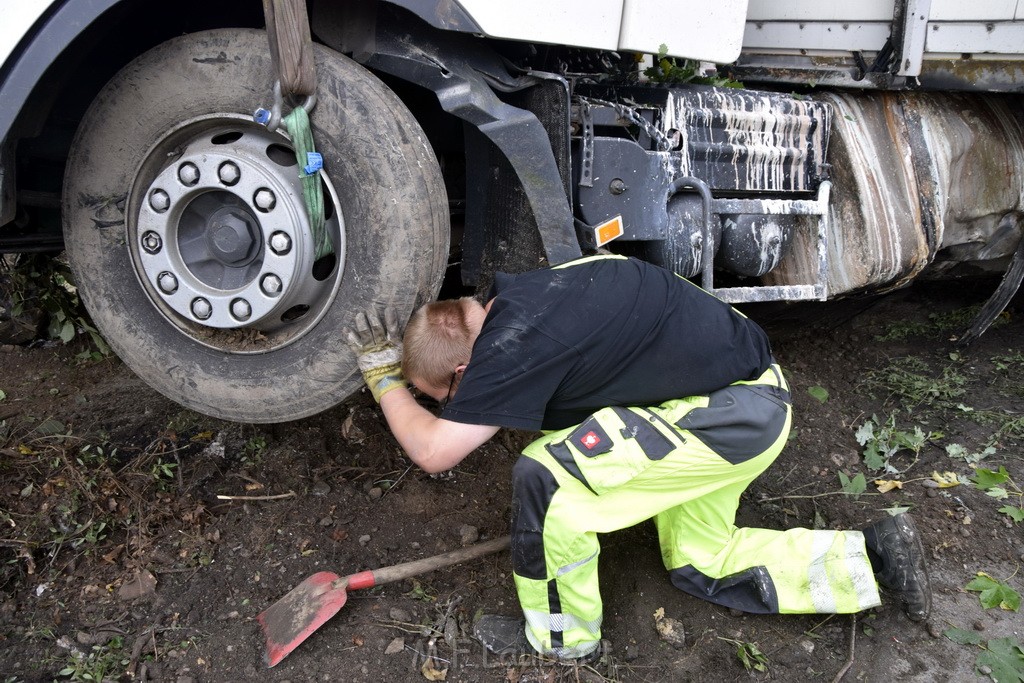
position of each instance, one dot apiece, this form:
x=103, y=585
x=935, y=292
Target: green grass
x=912, y=383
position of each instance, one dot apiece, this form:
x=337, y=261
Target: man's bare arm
x=434, y=444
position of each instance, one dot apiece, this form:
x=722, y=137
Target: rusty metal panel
x=916, y=177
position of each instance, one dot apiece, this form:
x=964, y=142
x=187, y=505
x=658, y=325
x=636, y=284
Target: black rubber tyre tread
x=382, y=167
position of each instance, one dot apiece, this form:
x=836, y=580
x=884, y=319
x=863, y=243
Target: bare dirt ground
x=119, y=561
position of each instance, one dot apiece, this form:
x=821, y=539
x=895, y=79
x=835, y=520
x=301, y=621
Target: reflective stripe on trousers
x=684, y=463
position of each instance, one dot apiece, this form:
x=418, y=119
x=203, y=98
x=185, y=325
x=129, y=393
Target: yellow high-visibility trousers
x=684, y=463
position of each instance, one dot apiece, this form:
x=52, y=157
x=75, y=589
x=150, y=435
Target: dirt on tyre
x=185, y=226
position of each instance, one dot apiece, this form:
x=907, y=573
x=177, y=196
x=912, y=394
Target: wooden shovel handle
x=376, y=577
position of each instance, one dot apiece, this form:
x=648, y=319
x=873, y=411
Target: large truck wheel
x=185, y=226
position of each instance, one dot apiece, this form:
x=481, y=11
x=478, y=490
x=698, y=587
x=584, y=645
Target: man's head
x=438, y=343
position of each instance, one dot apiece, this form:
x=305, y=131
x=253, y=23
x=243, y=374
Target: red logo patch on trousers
x=590, y=439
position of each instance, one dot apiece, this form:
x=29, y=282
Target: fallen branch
x=279, y=496
x=819, y=495
x=853, y=645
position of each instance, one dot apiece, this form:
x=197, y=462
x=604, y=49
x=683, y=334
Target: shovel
x=293, y=618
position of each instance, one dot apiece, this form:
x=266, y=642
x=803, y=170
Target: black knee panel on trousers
x=533, y=486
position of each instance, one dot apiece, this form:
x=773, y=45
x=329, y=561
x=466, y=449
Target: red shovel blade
x=293, y=618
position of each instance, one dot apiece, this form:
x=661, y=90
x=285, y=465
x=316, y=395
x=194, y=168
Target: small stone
x=736, y=612
x=451, y=631
x=808, y=645
x=141, y=585
x=984, y=670
x=399, y=614
x=978, y=626
x=395, y=646
x=326, y=521
x=930, y=483
x=414, y=545
x=934, y=630
x=468, y=534
x=84, y=638
x=376, y=492
x=932, y=493
x=966, y=533
x=320, y=488
x=632, y=653
x=364, y=539
x=671, y=631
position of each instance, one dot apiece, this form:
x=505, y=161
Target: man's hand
x=378, y=349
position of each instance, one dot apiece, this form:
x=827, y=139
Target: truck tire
x=188, y=236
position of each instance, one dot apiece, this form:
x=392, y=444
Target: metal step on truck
x=766, y=149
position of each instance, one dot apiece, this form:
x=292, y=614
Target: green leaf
x=865, y=433
x=51, y=427
x=855, y=486
x=820, y=393
x=963, y=637
x=1016, y=514
x=1005, y=658
x=986, y=479
x=3, y=394
x=997, y=492
x=873, y=459
x=67, y=331
x=751, y=657
x=994, y=593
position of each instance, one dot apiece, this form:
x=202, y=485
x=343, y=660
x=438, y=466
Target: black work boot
x=898, y=546
x=503, y=635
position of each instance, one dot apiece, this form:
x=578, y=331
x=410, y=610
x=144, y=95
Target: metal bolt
x=233, y=236
x=271, y=284
x=159, y=201
x=264, y=199
x=151, y=242
x=201, y=308
x=228, y=173
x=281, y=243
x=167, y=282
x=188, y=174
x=241, y=309
x=617, y=186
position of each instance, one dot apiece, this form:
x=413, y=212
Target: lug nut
x=241, y=309
x=264, y=199
x=159, y=201
x=167, y=282
x=151, y=242
x=228, y=173
x=188, y=174
x=617, y=186
x=280, y=243
x=271, y=284
x=201, y=308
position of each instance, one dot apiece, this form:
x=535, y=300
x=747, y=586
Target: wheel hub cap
x=223, y=237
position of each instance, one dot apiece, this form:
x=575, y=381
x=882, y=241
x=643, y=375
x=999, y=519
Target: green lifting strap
x=310, y=163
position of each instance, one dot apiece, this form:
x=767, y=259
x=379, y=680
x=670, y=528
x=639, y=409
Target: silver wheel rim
x=221, y=240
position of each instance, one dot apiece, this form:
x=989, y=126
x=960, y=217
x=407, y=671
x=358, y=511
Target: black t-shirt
x=560, y=343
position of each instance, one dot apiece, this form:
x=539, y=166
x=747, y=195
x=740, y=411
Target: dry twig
x=279, y=496
x=853, y=645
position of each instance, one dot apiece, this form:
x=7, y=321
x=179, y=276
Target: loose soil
x=119, y=554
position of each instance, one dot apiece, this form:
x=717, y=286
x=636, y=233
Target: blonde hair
x=437, y=340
